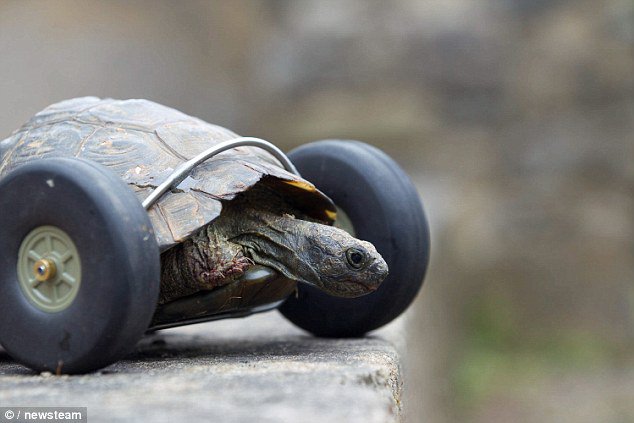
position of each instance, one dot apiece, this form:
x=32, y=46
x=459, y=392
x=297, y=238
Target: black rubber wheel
x=116, y=289
x=385, y=209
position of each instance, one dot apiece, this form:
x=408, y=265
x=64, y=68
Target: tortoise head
x=347, y=267
x=323, y=256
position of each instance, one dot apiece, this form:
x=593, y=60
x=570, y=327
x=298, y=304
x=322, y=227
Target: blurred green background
x=515, y=118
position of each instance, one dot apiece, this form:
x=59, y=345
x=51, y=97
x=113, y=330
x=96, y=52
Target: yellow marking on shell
x=332, y=215
x=302, y=185
x=35, y=144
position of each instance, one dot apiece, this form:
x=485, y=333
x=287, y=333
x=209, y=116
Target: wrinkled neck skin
x=308, y=252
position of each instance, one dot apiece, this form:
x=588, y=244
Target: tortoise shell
x=143, y=142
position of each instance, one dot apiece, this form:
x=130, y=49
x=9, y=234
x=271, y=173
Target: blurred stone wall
x=515, y=119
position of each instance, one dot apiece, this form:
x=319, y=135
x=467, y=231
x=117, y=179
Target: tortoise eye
x=355, y=258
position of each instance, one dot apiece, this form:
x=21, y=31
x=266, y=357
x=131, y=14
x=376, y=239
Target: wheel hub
x=49, y=269
x=44, y=269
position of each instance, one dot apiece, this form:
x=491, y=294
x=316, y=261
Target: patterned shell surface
x=143, y=142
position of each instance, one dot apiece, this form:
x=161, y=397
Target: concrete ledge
x=256, y=369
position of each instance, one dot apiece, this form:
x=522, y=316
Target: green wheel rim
x=49, y=269
x=343, y=222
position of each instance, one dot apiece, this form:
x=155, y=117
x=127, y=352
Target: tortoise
x=233, y=235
